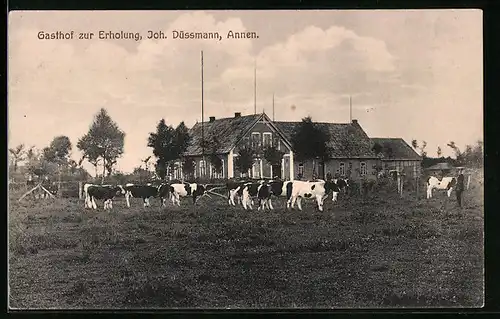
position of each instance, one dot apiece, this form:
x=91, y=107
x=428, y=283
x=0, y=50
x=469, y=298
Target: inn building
x=351, y=149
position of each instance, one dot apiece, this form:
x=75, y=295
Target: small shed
x=441, y=169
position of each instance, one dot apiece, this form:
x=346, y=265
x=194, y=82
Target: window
x=276, y=141
x=203, y=169
x=301, y=169
x=342, y=169
x=221, y=174
x=214, y=173
x=362, y=168
x=255, y=139
x=267, y=139
x=256, y=169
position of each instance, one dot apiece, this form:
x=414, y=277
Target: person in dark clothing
x=459, y=188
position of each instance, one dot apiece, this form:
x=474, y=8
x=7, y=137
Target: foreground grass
x=361, y=252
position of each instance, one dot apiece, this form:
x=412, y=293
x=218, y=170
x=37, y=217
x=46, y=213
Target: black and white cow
x=163, y=193
x=342, y=183
x=104, y=192
x=178, y=190
x=235, y=191
x=140, y=191
x=446, y=183
x=260, y=190
x=318, y=190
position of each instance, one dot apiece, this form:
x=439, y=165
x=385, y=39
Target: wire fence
x=405, y=184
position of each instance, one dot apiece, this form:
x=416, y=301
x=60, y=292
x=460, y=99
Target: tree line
x=472, y=156
x=103, y=145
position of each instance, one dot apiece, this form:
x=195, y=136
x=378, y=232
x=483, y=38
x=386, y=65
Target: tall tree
x=309, y=141
x=273, y=156
x=104, y=141
x=414, y=144
x=423, y=153
x=181, y=139
x=188, y=166
x=212, y=144
x=245, y=159
x=17, y=155
x=439, y=151
x=163, y=143
x=377, y=148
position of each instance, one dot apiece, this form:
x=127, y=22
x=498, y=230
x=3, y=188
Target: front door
x=286, y=168
x=321, y=170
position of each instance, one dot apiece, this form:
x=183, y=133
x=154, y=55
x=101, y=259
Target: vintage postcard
x=320, y=159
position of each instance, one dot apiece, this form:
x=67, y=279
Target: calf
x=185, y=189
x=104, y=192
x=140, y=191
x=309, y=190
x=447, y=183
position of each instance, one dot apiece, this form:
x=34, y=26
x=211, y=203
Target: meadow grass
x=364, y=252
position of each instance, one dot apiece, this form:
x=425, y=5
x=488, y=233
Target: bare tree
x=18, y=154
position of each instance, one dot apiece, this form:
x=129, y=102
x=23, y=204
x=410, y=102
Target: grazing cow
x=261, y=190
x=447, y=183
x=140, y=191
x=185, y=189
x=105, y=192
x=163, y=193
x=309, y=190
x=343, y=184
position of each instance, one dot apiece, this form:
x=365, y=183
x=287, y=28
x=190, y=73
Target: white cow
x=446, y=183
x=310, y=190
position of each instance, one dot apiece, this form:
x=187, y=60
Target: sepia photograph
x=245, y=159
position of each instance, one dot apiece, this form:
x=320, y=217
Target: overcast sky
x=415, y=74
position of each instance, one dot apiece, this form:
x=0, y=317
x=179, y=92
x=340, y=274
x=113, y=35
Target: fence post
x=401, y=191
x=80, y=190
x=468, y=182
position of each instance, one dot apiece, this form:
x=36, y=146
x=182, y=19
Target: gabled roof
x=348, y=140
x=399, y=149
x=228, y=130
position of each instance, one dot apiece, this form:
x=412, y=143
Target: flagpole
x=202, y=114
x=350, y=109
x=273, y=107
x=255, y=88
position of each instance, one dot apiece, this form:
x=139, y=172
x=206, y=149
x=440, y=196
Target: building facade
x=396, y=154
x=351, y=151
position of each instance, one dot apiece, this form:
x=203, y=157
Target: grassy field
x=376, y=251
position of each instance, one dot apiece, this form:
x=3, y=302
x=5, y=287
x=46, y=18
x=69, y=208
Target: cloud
x=56, y=87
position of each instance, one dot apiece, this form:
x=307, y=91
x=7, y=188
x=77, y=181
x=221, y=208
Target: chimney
x=212, y=118
x=237, y=114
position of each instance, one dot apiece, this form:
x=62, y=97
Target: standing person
x=460, y=187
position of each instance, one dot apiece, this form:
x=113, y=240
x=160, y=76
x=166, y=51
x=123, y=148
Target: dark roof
x=400, y=150
x=441, y=166
x=347, y=140
x=228, y=130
